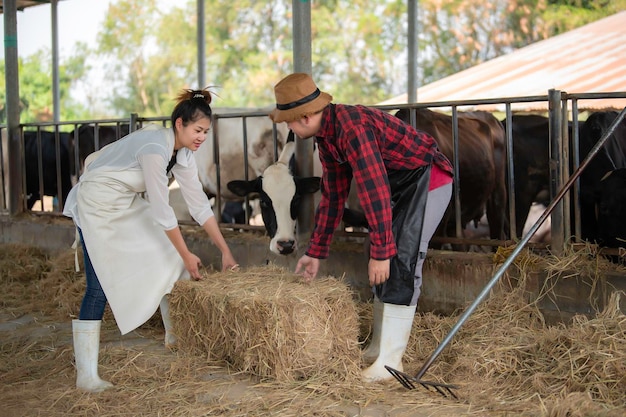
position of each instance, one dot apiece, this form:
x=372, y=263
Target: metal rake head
x=410, y=382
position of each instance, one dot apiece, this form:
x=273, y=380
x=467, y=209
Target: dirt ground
x=39, y=297
x=150, y=380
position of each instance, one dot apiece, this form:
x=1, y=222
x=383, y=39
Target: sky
x=78, y=20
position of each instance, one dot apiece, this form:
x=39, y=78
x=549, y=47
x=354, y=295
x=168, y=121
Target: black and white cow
x=280, y=193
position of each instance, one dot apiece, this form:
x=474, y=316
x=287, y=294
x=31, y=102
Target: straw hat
x=297, y=96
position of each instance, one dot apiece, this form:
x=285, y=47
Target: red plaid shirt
x=362, y=142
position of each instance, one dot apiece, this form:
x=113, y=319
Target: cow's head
x=280, y=193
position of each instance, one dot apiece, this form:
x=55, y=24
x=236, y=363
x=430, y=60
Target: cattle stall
x=524, y=162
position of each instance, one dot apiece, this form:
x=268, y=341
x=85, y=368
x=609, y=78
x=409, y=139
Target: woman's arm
x=192, y=262
x=213, y=230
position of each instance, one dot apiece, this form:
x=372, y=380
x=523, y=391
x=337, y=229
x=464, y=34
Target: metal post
x=513, y=232
x=565, y=170
x=556, y=162
x=16, y=189
x=412, y=52
x=201, y=45
x=56, y=100
x=575, y=140
x=304, y=148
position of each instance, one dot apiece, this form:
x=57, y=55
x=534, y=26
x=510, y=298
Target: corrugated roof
x=590, y=59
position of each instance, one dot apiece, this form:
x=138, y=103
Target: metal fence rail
x=564, y=157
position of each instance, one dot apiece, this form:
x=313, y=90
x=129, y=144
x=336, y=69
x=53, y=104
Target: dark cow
x=280, y=192
x=611, y=209
x=481, y=166
x=89, y=138
x=601, y=200
x=531, y=159
x=531, y=163
x=44, y=143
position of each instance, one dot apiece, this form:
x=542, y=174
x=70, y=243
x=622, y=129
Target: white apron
x=134, y=259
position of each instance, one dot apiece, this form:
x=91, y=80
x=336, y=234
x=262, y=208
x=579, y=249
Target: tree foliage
x=358, y=49
x=456, y=35
x=35, y=87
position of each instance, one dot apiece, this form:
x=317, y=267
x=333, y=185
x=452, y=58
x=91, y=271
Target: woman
x=133, y=249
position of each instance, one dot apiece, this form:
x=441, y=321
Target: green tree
x=358, y=46
x=455, y=35
x=35, y=88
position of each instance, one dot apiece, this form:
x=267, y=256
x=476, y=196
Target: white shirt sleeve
x=154, y=166
x=186, y=174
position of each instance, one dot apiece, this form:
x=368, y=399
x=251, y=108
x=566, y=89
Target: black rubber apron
x=409, y=193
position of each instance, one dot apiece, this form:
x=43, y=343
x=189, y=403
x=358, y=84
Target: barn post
x=56, y=95
x=556, y=172
x=412, y=52
x=15, y=148
x=304, y=148
x=201, y=48
x=566, y=159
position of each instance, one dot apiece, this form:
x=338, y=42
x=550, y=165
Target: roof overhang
x=24, y=4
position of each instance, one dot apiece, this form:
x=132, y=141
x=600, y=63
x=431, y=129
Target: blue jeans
x=94, y=300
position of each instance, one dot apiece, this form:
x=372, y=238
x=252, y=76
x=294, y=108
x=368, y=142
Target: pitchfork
x=409, y=381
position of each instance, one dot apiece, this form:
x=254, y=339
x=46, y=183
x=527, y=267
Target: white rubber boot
x=170, y=338
x=397, y=322
x=371, y=351
x=86, y=348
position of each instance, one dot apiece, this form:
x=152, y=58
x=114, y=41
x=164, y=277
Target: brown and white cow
x=477, y=163
x=482, y=159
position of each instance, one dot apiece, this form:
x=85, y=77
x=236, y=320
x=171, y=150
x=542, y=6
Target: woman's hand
x=192, y=264
x=378, y=271
x=228, y=262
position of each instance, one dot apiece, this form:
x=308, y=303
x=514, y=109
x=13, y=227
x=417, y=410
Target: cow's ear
x=242, y=187
x=307, y=185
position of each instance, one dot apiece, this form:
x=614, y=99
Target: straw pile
x=506, y=356
x=19, y=266
x=266, y=322
x=505, y=359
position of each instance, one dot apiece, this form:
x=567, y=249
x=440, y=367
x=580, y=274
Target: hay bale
x=266, y=322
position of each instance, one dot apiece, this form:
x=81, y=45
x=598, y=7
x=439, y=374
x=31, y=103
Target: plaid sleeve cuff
x=317, y=251
x=383, y=252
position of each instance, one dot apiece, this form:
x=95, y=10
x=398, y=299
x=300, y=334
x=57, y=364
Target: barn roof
x=23, y=4
x=589, y=59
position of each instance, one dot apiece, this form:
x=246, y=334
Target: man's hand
x=309, y=267
x=378, y=271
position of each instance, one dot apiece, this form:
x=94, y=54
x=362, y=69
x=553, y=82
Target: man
x=404, y=185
